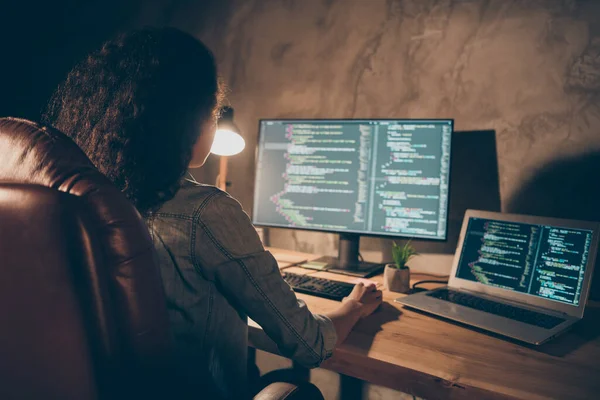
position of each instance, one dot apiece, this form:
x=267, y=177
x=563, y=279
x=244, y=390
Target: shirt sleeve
x=229, y=252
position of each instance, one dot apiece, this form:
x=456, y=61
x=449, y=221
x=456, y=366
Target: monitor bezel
x=532, y=300
x=358, y=233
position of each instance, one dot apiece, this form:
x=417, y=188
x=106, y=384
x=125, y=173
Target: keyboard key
x=320, y=287
x=497, y=308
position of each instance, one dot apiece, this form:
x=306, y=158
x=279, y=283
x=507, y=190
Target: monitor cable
x=443, y=279
x=414, y=286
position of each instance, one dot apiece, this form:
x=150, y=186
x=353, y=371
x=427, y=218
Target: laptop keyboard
x=501, y=309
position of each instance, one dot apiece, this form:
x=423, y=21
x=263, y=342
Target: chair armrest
x=289, y=391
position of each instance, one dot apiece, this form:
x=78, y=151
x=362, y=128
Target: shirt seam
x=208, y=317
x=196, y=216
x=173, y=215
x=260, y=291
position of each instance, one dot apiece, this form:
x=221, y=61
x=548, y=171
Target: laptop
x=523, y=277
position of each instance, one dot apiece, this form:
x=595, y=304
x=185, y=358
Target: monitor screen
x=538, y=260
x=370, y=177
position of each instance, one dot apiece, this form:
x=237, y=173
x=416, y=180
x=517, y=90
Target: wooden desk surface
x=434, y=359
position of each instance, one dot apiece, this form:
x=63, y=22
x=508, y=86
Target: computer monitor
x=354, y=177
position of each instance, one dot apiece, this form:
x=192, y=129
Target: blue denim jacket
x=216, y=273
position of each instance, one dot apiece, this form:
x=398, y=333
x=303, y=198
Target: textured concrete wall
x=529, y=69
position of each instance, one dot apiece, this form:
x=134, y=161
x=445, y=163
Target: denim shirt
x=216, y=272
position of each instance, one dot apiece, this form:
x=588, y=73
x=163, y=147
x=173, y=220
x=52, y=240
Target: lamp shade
x=228, y=140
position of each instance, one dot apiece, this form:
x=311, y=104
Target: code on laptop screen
x=539, y=260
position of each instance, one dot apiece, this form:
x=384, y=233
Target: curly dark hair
x=136, y=108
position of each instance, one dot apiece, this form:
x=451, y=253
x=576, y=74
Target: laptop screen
x=539, y=260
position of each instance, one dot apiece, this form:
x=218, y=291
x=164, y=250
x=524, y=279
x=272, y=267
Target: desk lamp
x=228, y=142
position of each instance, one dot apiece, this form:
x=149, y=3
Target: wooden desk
x=288, y=258
x=434, y=359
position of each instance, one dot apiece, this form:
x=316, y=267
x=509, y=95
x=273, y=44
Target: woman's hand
x=367, y=296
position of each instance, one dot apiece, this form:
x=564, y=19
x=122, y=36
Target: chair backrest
x=82, y=308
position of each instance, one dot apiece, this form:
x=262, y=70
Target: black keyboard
x=501, y=309
x=329, y=289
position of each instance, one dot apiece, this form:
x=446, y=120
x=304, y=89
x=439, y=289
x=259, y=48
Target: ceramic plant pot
x=396, y=280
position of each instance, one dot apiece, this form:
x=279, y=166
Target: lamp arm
x=222, y=177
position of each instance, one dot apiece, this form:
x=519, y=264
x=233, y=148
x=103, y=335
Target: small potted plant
x=397, y=275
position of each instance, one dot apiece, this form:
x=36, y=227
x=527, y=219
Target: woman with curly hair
x=143, y=108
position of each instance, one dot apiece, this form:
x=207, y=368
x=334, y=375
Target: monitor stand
x=347, y=262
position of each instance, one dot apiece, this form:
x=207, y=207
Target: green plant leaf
x=402, y=254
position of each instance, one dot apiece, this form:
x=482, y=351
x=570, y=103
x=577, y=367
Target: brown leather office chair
x=82, y=309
